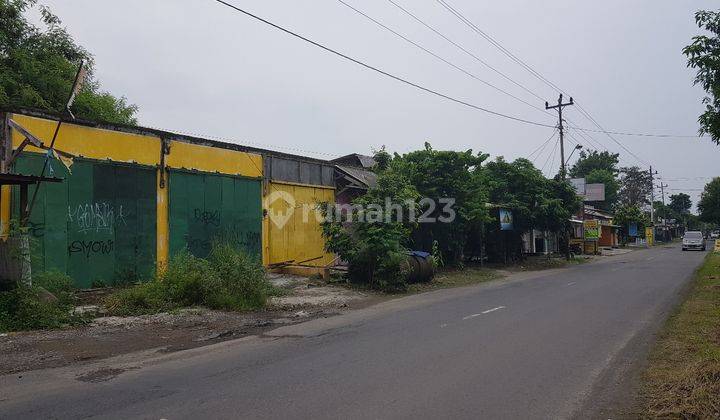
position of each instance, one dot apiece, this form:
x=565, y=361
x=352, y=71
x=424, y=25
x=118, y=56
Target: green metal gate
x=208, y=207
x=98, y=226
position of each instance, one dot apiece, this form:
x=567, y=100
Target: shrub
x=241, y=279
x=29, y=307
x=228, y=279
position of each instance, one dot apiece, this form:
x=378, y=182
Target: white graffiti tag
x=96, y=217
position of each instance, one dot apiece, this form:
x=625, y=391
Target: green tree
x=680, y=203
x=439, y=175
x=38, y=66
x=635, y=187
x=625, y=215
x=374, y=245
x=595, y=160
x=664, y=211
x=709, y=204
x=703, y=54
x=536, y=202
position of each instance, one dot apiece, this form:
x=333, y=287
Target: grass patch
x=445, y=279
x=32, y=307
x=228, y=279
x=683, y=376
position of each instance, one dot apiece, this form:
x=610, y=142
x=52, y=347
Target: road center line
x=493, y=310
x=483, y=313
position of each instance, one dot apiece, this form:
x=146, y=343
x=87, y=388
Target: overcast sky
x=199, y=67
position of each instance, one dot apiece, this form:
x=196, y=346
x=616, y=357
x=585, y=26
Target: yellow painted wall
x=117, y=146
x=90, y=142
x=300, y=238
x=213, y=159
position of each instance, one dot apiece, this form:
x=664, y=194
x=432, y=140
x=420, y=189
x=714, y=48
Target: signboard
x=594, y=192
x=579, y=185
x=506, y=219
x=592, y=230
x=633, y=229
x=717, y=245
x=650, y=236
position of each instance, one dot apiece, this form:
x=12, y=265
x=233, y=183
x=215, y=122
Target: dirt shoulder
x=682, y=379
x=304, y=299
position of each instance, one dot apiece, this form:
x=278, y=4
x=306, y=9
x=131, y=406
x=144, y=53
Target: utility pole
x=652, y=196
x=560, y=105
x=662, y=189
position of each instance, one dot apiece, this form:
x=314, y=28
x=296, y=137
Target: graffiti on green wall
x=205, y=208
x=98, y=225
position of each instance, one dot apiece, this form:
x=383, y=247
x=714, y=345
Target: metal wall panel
x=98, y=225
x=207, y=207
x=299, y=238
x=299, y=171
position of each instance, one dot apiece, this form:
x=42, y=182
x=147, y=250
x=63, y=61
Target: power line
x=532, y=71
x=426, y=50
x=495, y=43
x=382, y=72
x=552, y=153
x=622, y=133
x=543, y=144
x=483, y=62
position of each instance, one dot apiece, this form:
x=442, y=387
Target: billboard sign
x=588, y=192
x=592, y=230
x=579, y=185
x=506, y=219
x=594, y=192
x=633, y=229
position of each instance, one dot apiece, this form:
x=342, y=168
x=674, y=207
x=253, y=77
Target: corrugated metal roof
x=363, y=176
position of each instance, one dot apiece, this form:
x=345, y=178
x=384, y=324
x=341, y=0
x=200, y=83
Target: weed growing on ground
x=227, y=279
x=47, y=304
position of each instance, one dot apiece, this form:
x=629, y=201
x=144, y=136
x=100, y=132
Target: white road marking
x=493, y=310
x=443, y=325
x=483, y=313
x=650, y=258
x=571, y=283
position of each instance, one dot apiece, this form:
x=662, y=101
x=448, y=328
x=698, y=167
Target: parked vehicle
x=715, y=234
x=693, y=240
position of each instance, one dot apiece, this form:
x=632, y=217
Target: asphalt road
x=555, y=344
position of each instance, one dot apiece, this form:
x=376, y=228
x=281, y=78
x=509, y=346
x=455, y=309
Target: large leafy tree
x=374, y=245
x=680, y=203
x=536, y=202
x=709, y=204
x=627, y=214
x=704, y=55
x=635, y=187
x=595, y=160
x=438, y=175
x=38, y=66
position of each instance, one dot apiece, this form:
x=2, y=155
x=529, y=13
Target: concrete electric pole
x=560, y=105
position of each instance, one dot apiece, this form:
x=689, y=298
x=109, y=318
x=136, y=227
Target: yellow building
x=134, y=196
